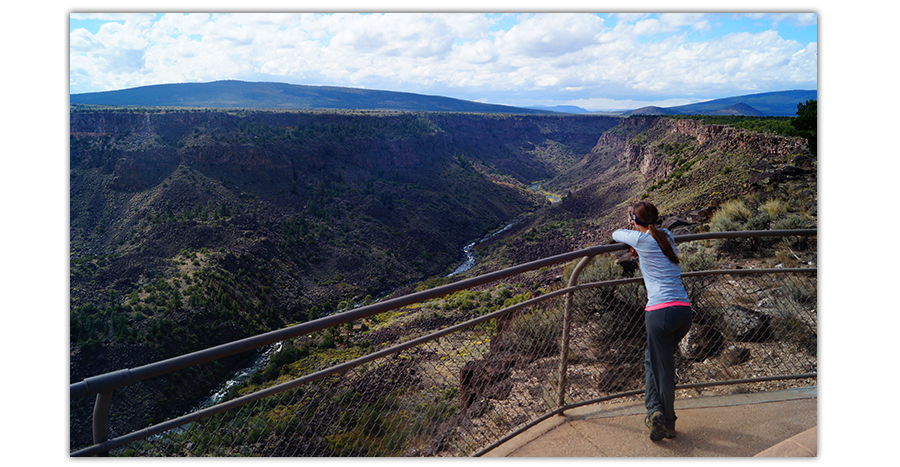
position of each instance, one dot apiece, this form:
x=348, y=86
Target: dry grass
x=733, y=210
x=774, y=208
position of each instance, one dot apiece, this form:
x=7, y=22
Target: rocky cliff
x=685, y=167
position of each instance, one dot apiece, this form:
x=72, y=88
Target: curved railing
x=448, y=390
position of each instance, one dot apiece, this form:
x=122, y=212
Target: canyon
x=191, y=228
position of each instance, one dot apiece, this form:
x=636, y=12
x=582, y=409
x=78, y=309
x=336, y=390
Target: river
x=469, y=250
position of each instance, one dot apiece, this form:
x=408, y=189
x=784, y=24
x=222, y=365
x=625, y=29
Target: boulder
x=672, y=222
x=628, y=263
x=802, y=161
x=701, y=342
x=770, y=176
x=745, y=325
x=761, y=165
x=487, y=378
x=702, y=214
x=735, y=355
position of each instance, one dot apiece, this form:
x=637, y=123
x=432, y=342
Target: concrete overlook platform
x=770, y=424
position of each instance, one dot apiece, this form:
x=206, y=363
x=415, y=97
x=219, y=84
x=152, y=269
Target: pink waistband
x=666, y=305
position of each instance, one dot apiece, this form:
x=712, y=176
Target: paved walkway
x=779, y=424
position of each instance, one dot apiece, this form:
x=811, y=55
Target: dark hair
x=646, y=214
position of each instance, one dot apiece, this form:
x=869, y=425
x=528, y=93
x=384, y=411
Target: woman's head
x=646, y=215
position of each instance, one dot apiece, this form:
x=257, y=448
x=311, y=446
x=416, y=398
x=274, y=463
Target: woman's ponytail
x=644, y=210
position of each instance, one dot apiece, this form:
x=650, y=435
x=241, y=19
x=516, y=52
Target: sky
x=597, y=61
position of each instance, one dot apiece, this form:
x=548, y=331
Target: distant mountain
x=241, y=94
x=776, y=104
x=569, y=109
x=652, y=110
x=739, y=109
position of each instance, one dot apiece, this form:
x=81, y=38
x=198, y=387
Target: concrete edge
x=721, y=400
x=529, y=435
x=801, y=445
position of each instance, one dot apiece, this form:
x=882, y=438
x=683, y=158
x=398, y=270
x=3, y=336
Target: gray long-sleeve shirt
x=662, y=277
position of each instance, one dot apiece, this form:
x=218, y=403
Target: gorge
x=191, y=228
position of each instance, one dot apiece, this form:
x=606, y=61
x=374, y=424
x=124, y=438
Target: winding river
x=469, y=250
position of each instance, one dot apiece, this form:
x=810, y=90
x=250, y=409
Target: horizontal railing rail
x=104, y=385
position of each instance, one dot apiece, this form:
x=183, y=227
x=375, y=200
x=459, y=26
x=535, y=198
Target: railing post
x=567, y=322
x=101, y=419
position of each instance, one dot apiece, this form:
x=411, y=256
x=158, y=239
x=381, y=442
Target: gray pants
x=665, y=328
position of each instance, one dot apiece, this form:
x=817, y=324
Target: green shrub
x=536, y=333
x=327, y=341
x=790, y=223
x=757, y=222
x=724, y=224
x=793, y=222
x=698, y=260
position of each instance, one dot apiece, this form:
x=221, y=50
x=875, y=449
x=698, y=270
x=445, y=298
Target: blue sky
x=598, y=61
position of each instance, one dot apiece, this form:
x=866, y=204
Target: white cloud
x=794, y=19
x=182, y=23
x=80, y=40
x=696, y=21
x=648, y=27
x=549, y=35
x=552, y=56
x=121, y=36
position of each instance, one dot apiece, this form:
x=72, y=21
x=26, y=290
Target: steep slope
x=683, y=166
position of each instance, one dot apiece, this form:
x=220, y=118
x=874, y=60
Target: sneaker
x=657, y=424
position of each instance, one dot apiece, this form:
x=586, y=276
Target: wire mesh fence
x=748, y=326
x=452, y=375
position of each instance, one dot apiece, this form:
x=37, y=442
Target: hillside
x=241, y=94
x=685, y=167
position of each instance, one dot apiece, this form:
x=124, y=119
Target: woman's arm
x=628, y=237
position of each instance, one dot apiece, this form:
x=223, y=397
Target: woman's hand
x=633, y=253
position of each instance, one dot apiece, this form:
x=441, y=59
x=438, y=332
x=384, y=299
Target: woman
x=667, y=317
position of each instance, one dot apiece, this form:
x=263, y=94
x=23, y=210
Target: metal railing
x=464, y=366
